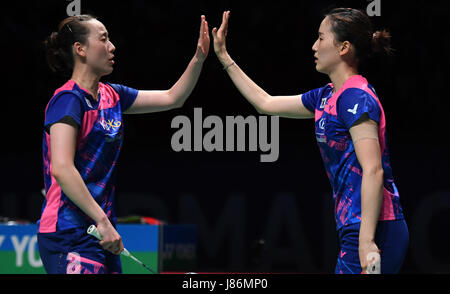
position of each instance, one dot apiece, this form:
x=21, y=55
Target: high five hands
x=219, y=36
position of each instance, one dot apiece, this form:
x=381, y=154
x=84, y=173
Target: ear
x=79, y=49
x=344, y=48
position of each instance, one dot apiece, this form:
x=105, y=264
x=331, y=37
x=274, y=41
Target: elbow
x=264, y=107
x=57, y=170
x=375, y=171
x=177, y=104
x=174, y=101
x=260, y=110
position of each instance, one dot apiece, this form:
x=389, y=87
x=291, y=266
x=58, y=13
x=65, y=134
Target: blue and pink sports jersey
x=99, y=140
x=334, y=115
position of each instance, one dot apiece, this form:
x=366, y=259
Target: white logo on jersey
x=322, y=104
x=88, y=102
x=354, y=109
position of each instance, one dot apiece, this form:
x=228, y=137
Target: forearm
x=371, y=201
x=71, y=183
x=249, y=89
x=181, y=90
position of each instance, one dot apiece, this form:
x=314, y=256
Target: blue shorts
x=73, y=251
x=391, y=237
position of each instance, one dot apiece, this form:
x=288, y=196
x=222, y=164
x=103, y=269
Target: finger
x=214, y=32
x=117, y=251
x=222, y=25
x=224, y=16
x=206, y=29
x=114, y=248
x=106, y=245
x=226, y=24
x=202, y=24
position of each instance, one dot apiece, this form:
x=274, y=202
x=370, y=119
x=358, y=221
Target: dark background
x=234, y=198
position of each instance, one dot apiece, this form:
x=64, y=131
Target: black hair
x=58, y=46
x=353, y=25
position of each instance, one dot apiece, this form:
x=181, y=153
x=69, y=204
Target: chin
x=321, y=70
x=108, y=71
x=318, y=68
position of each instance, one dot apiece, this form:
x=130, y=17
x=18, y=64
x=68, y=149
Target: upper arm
x=63, y=136
x=354, y=104
x=65, y=105
x=286, y=106
x=127, y=96
x=151, y=101
x=364, y=135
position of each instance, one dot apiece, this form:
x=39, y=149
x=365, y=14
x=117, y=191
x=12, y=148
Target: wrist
x=224, y=58
x=102, y=220
x=197, y=61
x=366, y=238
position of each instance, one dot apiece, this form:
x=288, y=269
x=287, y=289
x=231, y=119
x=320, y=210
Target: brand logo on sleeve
x=354, y=109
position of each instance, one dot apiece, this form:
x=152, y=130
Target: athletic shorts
x=73, y=251
x=391, y=237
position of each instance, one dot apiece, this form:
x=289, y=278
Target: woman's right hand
x=219, y=36
x=111, y=240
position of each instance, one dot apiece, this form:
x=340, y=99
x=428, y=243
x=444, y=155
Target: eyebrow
x=104, y=33
x=320, y=33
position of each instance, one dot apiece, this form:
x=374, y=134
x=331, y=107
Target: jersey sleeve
x=310, y=99
x=127, y=95
x=354, y=103
x=61, y=107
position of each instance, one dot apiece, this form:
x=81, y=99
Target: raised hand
x=203, y=40
x=219, y=36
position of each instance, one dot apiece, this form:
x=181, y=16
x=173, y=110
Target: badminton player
x=83, y=134
x=350, y=129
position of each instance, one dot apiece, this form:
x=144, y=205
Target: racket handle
x=92, y=230
x=374, y=266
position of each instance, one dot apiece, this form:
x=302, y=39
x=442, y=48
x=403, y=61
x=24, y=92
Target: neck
x=86, y=79
x=341, y=75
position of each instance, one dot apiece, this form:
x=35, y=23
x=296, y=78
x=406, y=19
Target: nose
x=314, y=47
x=112, y=47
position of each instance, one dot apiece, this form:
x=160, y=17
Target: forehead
x=324, y=26
x=96, y=27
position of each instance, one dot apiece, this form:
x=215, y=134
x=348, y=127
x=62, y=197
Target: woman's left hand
x=365, y=247
x=203, y=40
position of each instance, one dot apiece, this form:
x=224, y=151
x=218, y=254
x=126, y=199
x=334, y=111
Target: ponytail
x=381, y=43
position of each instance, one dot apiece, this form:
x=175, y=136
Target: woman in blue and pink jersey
x=350, y=129
x=83, y=134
